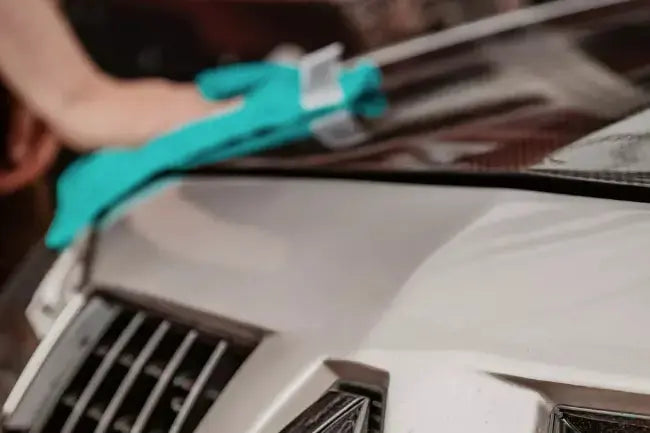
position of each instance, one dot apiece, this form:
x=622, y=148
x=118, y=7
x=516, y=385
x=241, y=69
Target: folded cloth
x=271, y=115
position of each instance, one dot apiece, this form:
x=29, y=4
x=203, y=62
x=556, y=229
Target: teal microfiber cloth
x=271, y=115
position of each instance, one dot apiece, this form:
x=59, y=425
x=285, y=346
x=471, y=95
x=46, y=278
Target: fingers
x=20, y=130
x=35, y=165
x=31, y=149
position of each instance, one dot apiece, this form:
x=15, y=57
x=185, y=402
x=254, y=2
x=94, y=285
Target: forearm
x=40, y=58
x=44, y=64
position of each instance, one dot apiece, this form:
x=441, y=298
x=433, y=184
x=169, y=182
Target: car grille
x=146, y=374
x=376, y=401
x=579, y=420
x=345, y=407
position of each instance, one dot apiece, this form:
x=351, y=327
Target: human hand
x=129, y=113
x=108, y=113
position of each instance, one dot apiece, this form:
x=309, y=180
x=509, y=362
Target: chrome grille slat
x=101, y=372
x=143, y=373
x=198, y=386
x=132, y=375
x=163, y=381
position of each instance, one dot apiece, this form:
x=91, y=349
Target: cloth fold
x=270, y=116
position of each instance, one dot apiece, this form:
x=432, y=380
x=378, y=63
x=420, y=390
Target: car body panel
x=443, y=287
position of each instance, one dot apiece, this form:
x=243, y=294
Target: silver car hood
x=487, y=307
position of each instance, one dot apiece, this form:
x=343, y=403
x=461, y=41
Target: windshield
x=558, y=89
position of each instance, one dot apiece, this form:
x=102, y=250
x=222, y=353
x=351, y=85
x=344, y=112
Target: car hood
x=470, y=298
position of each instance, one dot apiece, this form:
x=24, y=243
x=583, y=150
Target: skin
x=63, y=97
x=32, y=149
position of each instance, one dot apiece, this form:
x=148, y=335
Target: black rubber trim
x=511, y=180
